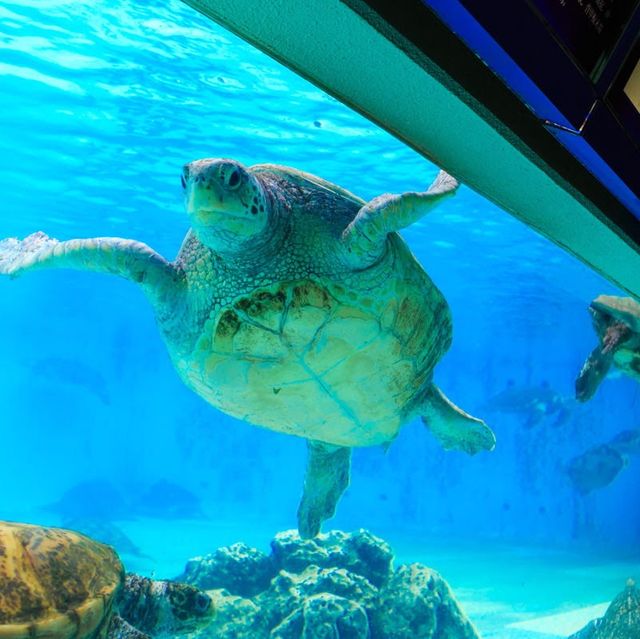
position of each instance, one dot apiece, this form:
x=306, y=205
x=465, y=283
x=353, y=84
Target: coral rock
x=416, y=603
x=240, y=569
x=360, y=552
x=325, y=616
x=336, y=586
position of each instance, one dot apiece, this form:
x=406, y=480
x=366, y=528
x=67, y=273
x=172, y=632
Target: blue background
x=102, y=103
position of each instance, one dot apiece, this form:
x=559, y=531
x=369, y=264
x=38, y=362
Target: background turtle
x=616, y=320
x=59, y=584
x=294, y=305
x=596, y=468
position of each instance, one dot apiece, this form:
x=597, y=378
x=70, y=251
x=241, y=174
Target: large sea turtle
x=294, y=305
x=616, y=321
x=59, y=584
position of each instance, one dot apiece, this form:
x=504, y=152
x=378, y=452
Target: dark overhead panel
x=550, y=137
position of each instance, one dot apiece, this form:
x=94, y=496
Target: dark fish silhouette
x=106, y=532
x=95, y=499
x=595, y=468
x=167, y=500
x=72, y=372
x=532, y=403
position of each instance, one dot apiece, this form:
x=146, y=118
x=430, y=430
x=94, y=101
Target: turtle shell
x=340, y=362
x=55, y=583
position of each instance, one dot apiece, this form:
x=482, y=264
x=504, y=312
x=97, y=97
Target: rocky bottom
x=335, y=586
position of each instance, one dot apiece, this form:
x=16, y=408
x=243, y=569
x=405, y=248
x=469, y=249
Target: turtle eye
x=233, y=179
x=202, y=602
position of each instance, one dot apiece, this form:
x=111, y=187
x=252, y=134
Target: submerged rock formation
x=335, y=586
x=620, y=621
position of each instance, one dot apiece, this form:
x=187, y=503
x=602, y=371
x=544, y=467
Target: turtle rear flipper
x=455, y=429
x=132, y=260
x=326, y=478
x=121, y=629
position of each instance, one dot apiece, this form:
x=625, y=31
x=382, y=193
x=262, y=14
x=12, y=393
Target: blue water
x=102, y=103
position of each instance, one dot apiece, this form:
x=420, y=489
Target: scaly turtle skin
x=295, y=306
x=616, y=320
x=620, y=621
x=59, y=584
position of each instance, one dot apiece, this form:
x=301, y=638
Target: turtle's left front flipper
x=365, y=237
x=455, y=429
x=132, y=260
x=593, y=371
x=121, y=629
x=326, y=478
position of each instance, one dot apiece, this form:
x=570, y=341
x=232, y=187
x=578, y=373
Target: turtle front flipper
x=121, y=629
x=597, y=365
x=365, y=236
x=593, y=371
x=326, y=478
x=454, y=429
x=132, y=260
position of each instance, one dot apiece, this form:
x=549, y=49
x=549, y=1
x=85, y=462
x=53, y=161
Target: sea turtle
x=59, y=584
x=596, y=468
x=616, y=320
x=293, y=305
x=620, y=621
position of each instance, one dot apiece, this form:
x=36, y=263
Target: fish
x=72, y=372
x=166, y=500
x=94, y=499
x=534, y=403
x=105, y=531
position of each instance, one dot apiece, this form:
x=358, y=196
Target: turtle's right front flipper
x=593, y=371
x=597, y=365
x=132, y=260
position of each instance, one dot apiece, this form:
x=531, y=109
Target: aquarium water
x=102, y=103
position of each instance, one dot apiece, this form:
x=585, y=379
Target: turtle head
x=191, y=608
x=226, y=204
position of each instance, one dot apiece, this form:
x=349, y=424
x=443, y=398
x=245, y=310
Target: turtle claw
x=443, y=184
x=17, y=255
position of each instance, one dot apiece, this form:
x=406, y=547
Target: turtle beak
x=225, y=203
x=213, y=190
